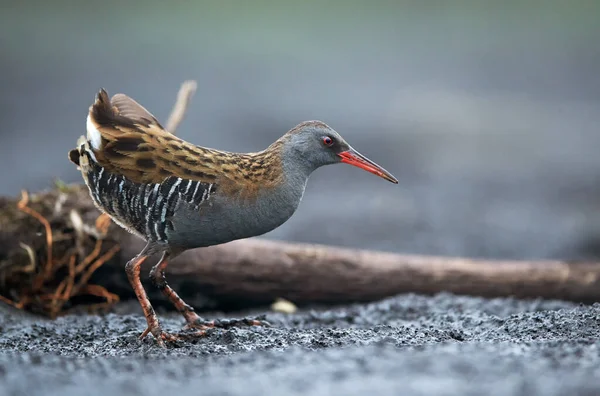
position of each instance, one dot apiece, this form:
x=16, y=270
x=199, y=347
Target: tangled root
x=57, y=278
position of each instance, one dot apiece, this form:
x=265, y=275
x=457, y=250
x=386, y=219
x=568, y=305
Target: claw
x=199, y=324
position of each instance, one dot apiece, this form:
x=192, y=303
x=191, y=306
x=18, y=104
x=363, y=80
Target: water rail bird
x=178, y=196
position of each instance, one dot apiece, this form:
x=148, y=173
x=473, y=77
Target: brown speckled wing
x=135, y=145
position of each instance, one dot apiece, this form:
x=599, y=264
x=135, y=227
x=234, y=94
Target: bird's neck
x=279, y=162
x=295, y=166
x=280, y=166
x=274, y=205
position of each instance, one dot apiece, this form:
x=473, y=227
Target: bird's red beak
x=355, y=158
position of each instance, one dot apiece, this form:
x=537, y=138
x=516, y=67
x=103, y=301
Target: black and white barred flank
x=144, y=209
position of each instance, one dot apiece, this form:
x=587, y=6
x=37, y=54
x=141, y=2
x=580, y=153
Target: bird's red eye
x=327, y=141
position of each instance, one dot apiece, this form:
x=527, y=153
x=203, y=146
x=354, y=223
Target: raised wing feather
x=127, y=139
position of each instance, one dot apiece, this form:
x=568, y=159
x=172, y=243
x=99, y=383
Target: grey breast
x=220, y=219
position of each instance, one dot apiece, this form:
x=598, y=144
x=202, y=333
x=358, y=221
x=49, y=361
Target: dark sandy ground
x=408, y=345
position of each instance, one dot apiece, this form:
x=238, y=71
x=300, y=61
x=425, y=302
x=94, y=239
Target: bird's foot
x=160, y=336
x=197, y=323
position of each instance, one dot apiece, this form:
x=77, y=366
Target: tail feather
x=116, y=122
x=129, y=108
x=109, y=119
x=82, y=155
x=123, y=138
x=74, y=156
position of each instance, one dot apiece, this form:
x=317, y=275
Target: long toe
x=144, y=333
x=243, y=322
x=164, y=336
x=200, y=324
x=160, y=336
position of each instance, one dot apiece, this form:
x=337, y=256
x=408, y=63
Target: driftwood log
x=262, y=270
x=255, y=271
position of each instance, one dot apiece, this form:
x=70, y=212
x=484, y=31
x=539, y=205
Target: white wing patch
x=93, y=134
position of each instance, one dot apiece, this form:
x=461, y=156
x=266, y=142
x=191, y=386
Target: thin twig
x=70, y=279
x=9, y=302
x=187, y=90
x=102, y=223
x=99, y=291
x=31, y=254
x=90, y=257
x=22, y=205
x=99, y=261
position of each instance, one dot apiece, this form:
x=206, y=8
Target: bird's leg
x=132, y=268
x=157, y=275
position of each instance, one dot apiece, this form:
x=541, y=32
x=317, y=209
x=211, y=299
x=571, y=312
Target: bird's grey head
x=313, y=144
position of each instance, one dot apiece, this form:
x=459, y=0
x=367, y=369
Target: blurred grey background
x=487, y=112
